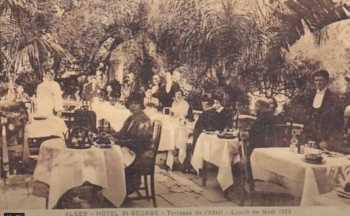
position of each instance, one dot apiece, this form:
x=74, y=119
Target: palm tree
x=25, y=40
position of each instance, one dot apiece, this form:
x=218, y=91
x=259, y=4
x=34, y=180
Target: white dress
x=49, y=99
x=180, y=109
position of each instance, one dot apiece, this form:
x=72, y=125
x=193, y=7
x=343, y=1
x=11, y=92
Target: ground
x=173, y=189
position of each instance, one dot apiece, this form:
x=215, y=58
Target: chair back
x=157, y=129
x=13, y=146
x=244, y=123
x=283, y=133
x=5, y=156
x=166, y=110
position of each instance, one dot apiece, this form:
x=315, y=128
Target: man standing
x=324, y=121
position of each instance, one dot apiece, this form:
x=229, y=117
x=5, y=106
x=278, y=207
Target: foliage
x=212, y=39
x=26, y=39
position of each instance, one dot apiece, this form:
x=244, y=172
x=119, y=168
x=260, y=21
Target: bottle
x=292, y=147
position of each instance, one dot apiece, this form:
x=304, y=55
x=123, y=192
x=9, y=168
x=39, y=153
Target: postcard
x=175, y=107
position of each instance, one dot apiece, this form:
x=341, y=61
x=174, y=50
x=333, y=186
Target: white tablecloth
x=174, y=134
x=331, y=199
x=115, y=114
x=63, y=169
x=303, y=180
x=52, y=126
x=220, y=152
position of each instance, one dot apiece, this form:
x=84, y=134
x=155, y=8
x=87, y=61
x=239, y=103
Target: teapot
x=78, y=138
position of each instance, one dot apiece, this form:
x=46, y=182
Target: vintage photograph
x=174, y=103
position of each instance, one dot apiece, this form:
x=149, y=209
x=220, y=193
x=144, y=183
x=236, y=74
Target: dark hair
x=274, y=101
x=208, y=99
x=219, y=95
x=321, y=73
x=179, y=90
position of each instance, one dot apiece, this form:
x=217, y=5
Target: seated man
x=136, y=135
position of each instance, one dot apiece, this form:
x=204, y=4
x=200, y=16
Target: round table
x=63, y=169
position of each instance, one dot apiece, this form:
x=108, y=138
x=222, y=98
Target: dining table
x=331, y=199
x=174, y=135
x=302, y=179
x=63, y=168
x=221, y=152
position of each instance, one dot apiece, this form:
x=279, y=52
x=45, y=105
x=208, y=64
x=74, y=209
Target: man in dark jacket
x=324, y=120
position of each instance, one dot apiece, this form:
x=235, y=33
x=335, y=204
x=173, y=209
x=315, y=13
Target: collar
x=323, y=91
x=220, y=109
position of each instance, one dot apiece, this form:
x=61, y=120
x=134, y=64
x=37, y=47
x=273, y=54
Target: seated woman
x=136, y=135
x=180, y=107
x=112, y=91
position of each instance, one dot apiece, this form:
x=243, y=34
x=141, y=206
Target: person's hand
x=59, y=114
x=324, y=145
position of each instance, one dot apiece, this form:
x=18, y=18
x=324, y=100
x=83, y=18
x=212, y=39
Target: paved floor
x=173, y=189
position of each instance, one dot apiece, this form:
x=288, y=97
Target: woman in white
x=180, y=107
x=48, y=108
x=48, y=96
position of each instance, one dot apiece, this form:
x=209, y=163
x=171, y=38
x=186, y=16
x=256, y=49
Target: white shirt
x=318, y=99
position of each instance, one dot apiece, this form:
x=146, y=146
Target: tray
x=343, y=194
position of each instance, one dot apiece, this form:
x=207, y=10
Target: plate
x=210, y=132
x=78, y=147
x=343, y=194
x=104, y=146
x=317, y=162
x=226, y=136
x=39, y=118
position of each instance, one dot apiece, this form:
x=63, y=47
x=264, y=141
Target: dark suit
x=167, y=98
x=325, y=122
x=211, y=120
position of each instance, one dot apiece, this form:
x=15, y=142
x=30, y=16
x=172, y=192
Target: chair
x=148, y=170
x=41, y=189
x=248, y=178
x=14, y=149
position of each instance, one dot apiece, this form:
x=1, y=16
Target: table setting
x=83, y=156
x=220, y=149
x=306, y=174
x=175, y=132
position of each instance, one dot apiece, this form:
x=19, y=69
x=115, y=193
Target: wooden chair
x=17, y=147
x=148, y=170
x=248, y=178
x=41, y=189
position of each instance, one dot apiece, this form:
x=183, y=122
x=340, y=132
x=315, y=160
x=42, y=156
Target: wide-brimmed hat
x=135, y=99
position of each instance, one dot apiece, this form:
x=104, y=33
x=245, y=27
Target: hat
x=135, y=99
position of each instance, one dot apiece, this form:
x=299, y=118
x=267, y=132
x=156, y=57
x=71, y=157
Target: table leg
x=204, y=173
